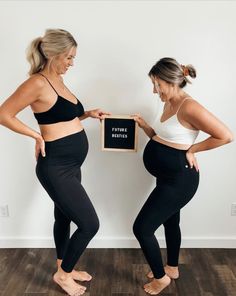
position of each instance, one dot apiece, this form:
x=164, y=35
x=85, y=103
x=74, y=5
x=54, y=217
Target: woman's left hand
x=98, y=113
x=192, y=160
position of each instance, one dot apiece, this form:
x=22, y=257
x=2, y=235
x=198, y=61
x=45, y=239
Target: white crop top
x=172, y=130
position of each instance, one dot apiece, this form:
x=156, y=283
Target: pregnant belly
x=51, y=132
x=170, y=144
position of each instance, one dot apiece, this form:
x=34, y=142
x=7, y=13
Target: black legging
x=176, y=185
x=60, y=175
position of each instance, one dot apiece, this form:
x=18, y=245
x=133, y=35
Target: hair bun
x=185, y=70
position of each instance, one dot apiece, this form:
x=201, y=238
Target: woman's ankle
x=62, y=274
x=59, y=262
x=172, y=267
x=163, y=279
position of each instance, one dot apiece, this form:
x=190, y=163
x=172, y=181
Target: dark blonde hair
x=53, y=43
x=169, y=70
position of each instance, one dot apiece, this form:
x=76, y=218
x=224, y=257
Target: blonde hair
x=53, y=43
x=169, y=70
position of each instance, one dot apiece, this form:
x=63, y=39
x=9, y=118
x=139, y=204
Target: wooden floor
x=118, y=272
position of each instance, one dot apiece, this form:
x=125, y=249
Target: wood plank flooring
x=118, y=272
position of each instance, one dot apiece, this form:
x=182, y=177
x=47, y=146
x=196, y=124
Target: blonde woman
x=61, y=148
x=170, y=157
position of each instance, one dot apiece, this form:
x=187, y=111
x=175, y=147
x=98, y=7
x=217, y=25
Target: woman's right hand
x=192, y=160
x=39, y=147
x=141, y=122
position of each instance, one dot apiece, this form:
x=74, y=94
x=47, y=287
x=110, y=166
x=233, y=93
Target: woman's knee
x=172, y=222
x=62, y=221
x=139, y=229
x=60, y=216
x=91, y=227
x=94, y=227
x=144, y=228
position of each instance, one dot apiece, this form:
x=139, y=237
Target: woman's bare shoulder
x=191, y=105
x=35, y=81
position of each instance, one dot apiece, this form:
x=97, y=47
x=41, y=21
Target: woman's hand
x=141, y=122
x=98, y=113
x=39, y=147
x=192, y=160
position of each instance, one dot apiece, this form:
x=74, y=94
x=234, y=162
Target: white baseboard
x=118, y=242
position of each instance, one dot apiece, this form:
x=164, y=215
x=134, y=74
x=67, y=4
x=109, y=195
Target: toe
x=89, y=277
x=148, y=286
x=148, y=290
x=79, y=292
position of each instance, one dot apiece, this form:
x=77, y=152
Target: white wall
x=119, y=41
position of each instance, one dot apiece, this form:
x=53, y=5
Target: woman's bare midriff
x=170, y=144
x=51, y=132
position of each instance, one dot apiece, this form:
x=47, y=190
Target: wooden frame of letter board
x=116, y=149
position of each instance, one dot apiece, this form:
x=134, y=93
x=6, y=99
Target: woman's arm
x=203, y=120
x=27, y=93
x=149, y=131
x=85, y=115
x=96, y=113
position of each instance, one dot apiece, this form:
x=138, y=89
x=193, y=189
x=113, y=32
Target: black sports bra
x=62, y=110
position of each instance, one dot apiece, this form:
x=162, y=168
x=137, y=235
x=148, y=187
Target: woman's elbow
x=1, y=115
x=229, y=137
x=3, y=118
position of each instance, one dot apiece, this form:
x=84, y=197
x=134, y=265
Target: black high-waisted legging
x=176, y=185
x=60, y=175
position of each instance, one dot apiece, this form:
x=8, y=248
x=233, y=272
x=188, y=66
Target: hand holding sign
x=98, y=113
x=141, y=122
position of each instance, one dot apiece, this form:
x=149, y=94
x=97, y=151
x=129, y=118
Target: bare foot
x=68, y=284
x=157, y=285
x=171, y=271
x=81, y=276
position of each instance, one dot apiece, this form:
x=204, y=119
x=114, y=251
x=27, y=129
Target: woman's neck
x=50, y=72
x=177, y=98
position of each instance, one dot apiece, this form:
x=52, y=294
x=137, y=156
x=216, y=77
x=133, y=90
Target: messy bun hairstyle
x=169, y=70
